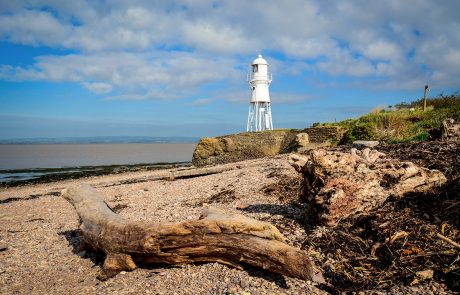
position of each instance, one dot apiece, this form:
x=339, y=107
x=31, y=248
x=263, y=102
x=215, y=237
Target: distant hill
x=100, y=139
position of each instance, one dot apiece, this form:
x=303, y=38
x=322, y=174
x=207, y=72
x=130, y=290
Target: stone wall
x=322, y=134
x=252, y=145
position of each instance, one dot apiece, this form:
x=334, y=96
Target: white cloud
x=33, y=27
x=200, y=102
x=153, y=94
x=128, y=44
x=220, y=38
x=382, y=50
x=98, y=87
x=154, y=75
x=343, y=63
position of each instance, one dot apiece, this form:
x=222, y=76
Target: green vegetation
x=404, y=122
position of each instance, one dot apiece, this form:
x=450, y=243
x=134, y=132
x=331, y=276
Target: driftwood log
x=338, y=184
x=230, y=239
x=172, y=175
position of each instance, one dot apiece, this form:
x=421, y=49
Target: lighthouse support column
x=248, y=127
x=259, y=117
x=270, y=116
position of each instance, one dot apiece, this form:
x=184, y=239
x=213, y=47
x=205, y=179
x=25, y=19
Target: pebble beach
x=41, y=242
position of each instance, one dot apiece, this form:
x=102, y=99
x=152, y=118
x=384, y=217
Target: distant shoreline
x=19, y=177
x=63, y=143
x=100, y=140
x=121, y=140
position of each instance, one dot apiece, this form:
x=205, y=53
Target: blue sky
x=178, y=68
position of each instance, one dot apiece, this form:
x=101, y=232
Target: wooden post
x=424, y=97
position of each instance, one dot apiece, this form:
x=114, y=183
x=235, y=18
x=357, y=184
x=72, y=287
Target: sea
x=26, y=161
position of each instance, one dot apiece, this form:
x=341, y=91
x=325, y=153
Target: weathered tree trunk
x=338, y=184
x=215, y=237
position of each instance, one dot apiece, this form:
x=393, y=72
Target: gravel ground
x=39, y=229
x=40, y=243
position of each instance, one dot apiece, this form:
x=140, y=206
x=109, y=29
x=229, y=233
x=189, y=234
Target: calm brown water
x=74, y=155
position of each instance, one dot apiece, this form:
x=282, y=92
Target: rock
x=302, y=139
x=3, y=246
x=233, y=290
x=244, y=283
x=301, y=142
x=338, y=184
x=425, y=274
x=298, y=162
x=365, y=143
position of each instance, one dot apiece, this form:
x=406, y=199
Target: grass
x=405, y=122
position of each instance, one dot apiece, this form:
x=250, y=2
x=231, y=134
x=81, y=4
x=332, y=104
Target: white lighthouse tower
x=260, y=115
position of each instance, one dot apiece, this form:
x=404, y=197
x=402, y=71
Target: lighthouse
x=260, y=115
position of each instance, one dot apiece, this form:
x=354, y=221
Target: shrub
x=360, y=131
x=402, y=124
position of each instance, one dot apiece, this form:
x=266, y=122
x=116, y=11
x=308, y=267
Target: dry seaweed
x=399, y=242
x=285, y=188
x=225, y=196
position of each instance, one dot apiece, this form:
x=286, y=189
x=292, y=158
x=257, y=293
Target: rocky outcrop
x=338, y=184
x=242, y=146
x=251, y=145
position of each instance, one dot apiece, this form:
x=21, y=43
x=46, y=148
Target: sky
x=178, y=68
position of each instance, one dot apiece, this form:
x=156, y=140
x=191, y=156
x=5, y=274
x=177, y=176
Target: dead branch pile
x=284, y=187
x=391, y=245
